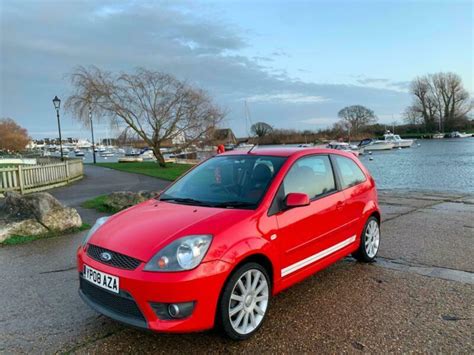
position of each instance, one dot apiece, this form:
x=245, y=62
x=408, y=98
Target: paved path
x=99, y=181
x=418, y=297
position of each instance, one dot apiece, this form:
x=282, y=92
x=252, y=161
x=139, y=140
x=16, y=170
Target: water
x=435, y=165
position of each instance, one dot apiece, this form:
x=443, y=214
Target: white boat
x=83, y=144
x=457, y=134
x=79, y=153
x=397, y=140
x=438, y=136
x=244, y=146
x=147, y=155
x=345, y=147
x=106, y=154
x=372, y=145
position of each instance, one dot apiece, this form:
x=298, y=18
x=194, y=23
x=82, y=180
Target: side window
x=311, y=175
x=351, y=174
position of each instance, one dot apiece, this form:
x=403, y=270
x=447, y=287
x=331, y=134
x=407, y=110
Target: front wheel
x=244, y=302
x=369, y=241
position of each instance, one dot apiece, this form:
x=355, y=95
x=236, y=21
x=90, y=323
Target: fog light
x=169, y=311
x=173, y=310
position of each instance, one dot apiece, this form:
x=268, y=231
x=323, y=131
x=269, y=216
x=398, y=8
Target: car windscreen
x=231, y=181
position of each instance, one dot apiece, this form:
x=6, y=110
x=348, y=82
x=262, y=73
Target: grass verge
x=97, y=203
x=22, y=239
x=171, y=172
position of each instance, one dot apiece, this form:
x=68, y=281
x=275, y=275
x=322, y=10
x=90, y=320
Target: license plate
x=101, y=279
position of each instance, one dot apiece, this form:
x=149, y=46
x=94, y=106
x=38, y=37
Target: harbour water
x=434, y=165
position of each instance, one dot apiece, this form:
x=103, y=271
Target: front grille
x=122, y=304
x=118, y=260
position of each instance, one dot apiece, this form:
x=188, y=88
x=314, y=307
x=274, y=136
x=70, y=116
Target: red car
x=234, y=231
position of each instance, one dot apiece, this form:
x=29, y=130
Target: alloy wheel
x=372, y=238
x=248, y=302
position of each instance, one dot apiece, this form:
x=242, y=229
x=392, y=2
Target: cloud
x=287, y=97
x=38, y=48
x=366, y=81
x=401, y=85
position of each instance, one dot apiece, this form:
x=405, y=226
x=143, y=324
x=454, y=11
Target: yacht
x=346, y=147
x=372, y=144
x=107, y=153
x=457, y=134
x=397, y=140
x=147, y=154
x=438, y=136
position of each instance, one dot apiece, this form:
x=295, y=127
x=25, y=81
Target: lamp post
x=92, y=133
x=57, y=105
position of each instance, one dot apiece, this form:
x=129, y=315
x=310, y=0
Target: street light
x=57, y=105
x=92, y=133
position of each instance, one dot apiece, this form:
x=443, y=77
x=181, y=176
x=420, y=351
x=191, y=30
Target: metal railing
x=33, y=178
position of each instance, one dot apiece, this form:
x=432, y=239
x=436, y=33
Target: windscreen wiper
x=235, y=204
x=188, y=201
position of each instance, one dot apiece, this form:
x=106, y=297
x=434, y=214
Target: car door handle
x=339, y=205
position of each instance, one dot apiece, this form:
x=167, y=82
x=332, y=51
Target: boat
x=106, y=154
x=79, y=153
x=397, y=140
x=372, y=145
x=147, y=154
x=244, y=146
x=346, y=147
x=457, y=134
x=438, y=136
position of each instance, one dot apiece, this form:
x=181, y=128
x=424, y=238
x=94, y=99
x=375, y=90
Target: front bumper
x=138, y=289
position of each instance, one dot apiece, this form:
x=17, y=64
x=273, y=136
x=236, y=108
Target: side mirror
x=296, y=199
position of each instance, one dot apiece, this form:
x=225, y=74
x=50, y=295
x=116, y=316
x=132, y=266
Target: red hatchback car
x=219, y=242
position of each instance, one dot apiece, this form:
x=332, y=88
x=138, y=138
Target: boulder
x=22, y=227
x=35, y=214
x=123, y=199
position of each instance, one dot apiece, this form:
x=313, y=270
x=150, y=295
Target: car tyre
x=244, y=301
x=369, y=241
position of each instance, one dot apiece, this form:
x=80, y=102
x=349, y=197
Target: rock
x=62, y=219
x=24, y=227
x=123, y=199
x=35, y=214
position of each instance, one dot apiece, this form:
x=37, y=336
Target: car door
x=307, y=233
x=355, y=187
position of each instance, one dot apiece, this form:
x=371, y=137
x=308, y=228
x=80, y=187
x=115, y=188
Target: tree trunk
x=159, y=157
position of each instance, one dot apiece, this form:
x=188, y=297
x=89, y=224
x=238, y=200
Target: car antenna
x=250, y=150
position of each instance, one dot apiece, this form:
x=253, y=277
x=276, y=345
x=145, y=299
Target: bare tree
x=261, y=129
x=357, y=117
x=154, y=105
x=440, y=100
x=13, y=137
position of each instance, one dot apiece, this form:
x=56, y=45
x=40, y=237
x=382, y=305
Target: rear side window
x=350, y=172
x=310, y=175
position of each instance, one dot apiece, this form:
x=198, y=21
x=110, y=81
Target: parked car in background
x=219, y=243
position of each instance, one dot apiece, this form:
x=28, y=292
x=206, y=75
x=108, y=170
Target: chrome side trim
x=315, y=257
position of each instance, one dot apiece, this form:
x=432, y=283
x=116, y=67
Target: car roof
x=284, y=151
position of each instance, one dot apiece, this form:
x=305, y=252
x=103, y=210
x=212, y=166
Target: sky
x=295, y=63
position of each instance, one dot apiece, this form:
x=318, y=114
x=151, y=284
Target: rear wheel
x=369, y=241
x=244, y=302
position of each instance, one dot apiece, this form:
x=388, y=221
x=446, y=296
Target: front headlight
x=183, y=254
x=100, y=221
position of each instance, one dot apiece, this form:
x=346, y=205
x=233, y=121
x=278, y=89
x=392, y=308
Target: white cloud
x=287, y=98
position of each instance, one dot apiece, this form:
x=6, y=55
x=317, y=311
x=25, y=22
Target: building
x=224, y=136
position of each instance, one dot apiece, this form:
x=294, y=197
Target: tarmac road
x=417, y=297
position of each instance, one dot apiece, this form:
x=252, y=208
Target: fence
x=32, y=178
